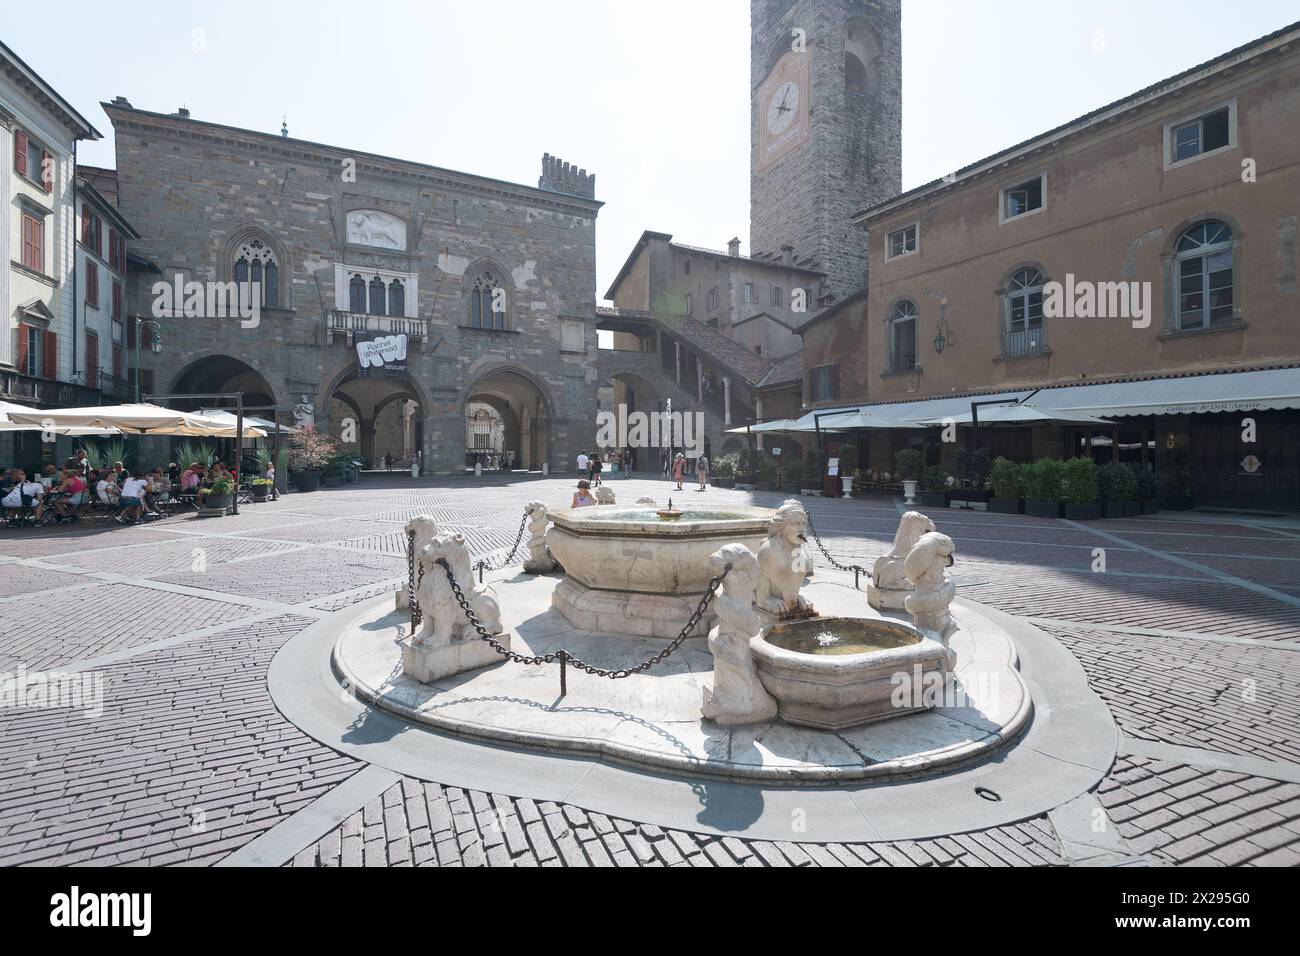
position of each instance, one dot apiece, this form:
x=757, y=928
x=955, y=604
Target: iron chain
x=505, y=562
x=833, y=563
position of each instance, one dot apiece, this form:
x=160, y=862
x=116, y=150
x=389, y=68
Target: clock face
x=782, y=108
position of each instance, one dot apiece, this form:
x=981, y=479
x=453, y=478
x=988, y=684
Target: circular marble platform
x=652, y=720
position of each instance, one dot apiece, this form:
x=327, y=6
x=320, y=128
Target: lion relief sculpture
x=736, y=695
x=889, y=586
x=539, y=559
x=927, y=567
x=604, y=495
x=443, y=619
x=420, y=531
x=784, y=562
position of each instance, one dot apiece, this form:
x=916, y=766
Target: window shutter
x=117, y=300
x=835, y=381
x=50, y=360
x=92, y=360
x=117, y=361
x=46, y=174
x=20, y=152
x=85, y=224
x=22, y=348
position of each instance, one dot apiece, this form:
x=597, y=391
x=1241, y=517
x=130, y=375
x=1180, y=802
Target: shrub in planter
x=1043, y=491
x=1008, y=480
x=1148, y=488
x=1117, y=490
x=1177, y=479
x=908, y=462
x=219, y=494
x=934, y=487
x=972, y=474
x=310, y=453
x=261, y=488
x=767, y=473
x=724, y=471
x=1079, y=481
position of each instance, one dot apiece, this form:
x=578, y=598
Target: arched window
x=396, y=298
x=1023, y=334
x=357, y=294
x=255, y=267
x=376, y=296
x=902, y=337
x=855, y=74
x=1204, y=257
x=487, y=302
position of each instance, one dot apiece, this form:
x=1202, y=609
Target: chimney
x=183, y=113
x=122, y=101
x=733, y=248
x=787, y=255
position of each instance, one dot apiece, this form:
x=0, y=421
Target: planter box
x=932, y=499
x=724, y=482
x=745, y=484
x=1132, y=509
x=260, y=496
x=1007, y=506
x=1087, y=512
x=767, y=486
x=1177, y=502
x=807, y=492
x=1150, y=506
x=969, y=494
x=306, y=481
x=1043, y=509
x=332, y=481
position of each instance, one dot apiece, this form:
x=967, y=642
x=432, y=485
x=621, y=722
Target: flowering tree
x=311, y=450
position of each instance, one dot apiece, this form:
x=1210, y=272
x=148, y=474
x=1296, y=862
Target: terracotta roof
x=786, y=371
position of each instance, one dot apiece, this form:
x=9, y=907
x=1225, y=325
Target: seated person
x=582, y=497
x=159, y=489
x=71, y=493
x=24, y=494
x=132, y=497
x=106, y=489
x=191, y=479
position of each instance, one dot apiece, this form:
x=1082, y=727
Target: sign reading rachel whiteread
x=384, y=350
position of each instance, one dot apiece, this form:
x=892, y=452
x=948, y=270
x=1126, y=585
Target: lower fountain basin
x=838, y=672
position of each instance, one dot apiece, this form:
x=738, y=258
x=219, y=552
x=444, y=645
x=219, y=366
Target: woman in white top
x=132, y=498
x=25, y=494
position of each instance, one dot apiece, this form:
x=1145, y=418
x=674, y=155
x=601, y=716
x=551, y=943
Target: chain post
x=563, y=655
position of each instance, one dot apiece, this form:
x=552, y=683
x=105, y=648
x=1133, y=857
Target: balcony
x=351, y=323
x=30, y=390
x=1024, y=342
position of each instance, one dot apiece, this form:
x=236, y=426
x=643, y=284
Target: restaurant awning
x=8, y=425
x=1026, y=413
x=136, y=419
x=1259, y=390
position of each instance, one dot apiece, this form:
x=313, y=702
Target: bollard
x=856, y=571
x=564, y=671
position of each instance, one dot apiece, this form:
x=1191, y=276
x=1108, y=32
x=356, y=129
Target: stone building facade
x=491, y=283
x=826, y=128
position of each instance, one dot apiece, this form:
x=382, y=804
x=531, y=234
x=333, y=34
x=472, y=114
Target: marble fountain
x=791, y=676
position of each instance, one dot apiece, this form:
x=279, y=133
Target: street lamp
x=155, y=345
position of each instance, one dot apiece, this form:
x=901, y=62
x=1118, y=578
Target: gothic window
x=357, y=294
x=487, y=302
x=376, y=296
x=1204, y=257
x=855, y=74
x=1024, y=318
x=396, y=298
x=902, y=337
x=257, y=270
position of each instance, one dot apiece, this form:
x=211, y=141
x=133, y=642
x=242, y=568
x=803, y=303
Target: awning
x=1260, y=390
x=137, y=419
x=1026, y=413
x=8, y=425
x=229, y=418
x=778, y=425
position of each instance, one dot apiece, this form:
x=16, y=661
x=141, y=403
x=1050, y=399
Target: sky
x=651, y=97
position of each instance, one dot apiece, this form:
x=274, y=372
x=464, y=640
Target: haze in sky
x=652, y=98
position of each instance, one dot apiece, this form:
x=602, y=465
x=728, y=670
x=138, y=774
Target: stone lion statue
x=425, y=529
x=648, y=501
x=539, y=560
x=442, y=618
x=784, y=562
x=926, y=567
x=736, y=695
x=604, y=495
x=889, y=586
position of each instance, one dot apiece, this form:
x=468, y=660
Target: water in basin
x=830, y=636
x=651, y=514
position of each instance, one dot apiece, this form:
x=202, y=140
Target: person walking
x=702, y=472
x=679, y=469
x=583, y=468
x=663, y=463
x=627, y=463
x=596, y=468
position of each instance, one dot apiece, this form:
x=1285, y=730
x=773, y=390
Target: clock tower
x=826, y=129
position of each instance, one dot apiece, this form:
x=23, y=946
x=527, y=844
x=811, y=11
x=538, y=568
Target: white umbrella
x=137, y=419
x=229, y=417
x=8, y=425
x=859, y=418
x=1021, y=414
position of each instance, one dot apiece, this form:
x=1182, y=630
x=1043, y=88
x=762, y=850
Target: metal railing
x=1024, y=342
x=340, y=321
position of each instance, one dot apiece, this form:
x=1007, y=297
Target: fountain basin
x=626, y=571
x=838, y=672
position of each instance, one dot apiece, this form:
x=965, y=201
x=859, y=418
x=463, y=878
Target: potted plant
x=724, y=472
x=310, y=453
x=794, y=472
x=1008, y=480
x=219, y=495
x=1043, y=490
x=1148, y=488
x=746, y=476
x=1177, y=474
x=1117, y=490
x=1079, y=481
x=332, y=471
x=848, y=467
x=261, y=488
x=767, y=473
x=908, y=462
x=934, y=487
x=972, y=473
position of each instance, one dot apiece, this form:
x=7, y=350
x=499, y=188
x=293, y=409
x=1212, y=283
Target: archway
x=219, y=374
x=524, y=409
x=632, y=393
x=376, y=415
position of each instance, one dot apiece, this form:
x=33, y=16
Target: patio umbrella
x=8, y=425
x=136, y=419
x=859, y=418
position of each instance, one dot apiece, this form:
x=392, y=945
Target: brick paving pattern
x=190, y=760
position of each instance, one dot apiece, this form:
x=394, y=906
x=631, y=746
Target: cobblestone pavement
x=1191, y=636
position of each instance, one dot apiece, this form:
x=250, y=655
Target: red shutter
x=112, y=249
x=85, y=223
x=92, y=360
x=117, y=300
x=92, y=283
x=20, y=152
x=50, y=360
x=22, y=348
x=47, y=172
